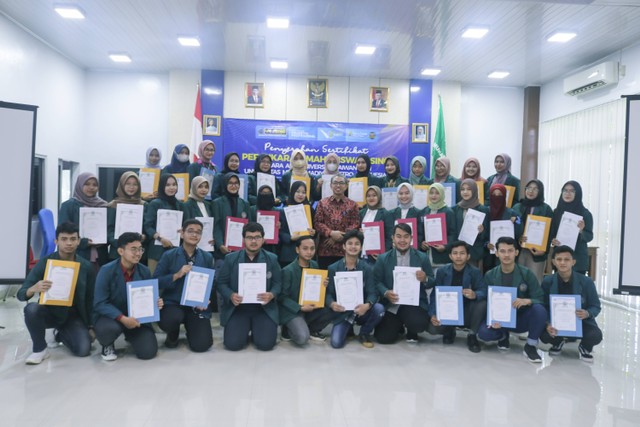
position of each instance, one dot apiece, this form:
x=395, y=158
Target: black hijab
x=226, y=169
x=161, y=190
x=233, y=198
x=265, y=202
x=256, y=166
x=294, y=188
x=575, y=207
x=367, y=160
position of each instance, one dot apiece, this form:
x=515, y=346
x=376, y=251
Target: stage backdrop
x=250, y=138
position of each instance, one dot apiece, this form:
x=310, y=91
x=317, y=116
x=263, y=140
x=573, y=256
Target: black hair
x=303, y=238
x=563, y=249
x=252, y=227
x=459, y=243
x=128, y=237
x=67, y=228
x=507, y=241
x=353, y=233
x=191, y=222
x=404, y=227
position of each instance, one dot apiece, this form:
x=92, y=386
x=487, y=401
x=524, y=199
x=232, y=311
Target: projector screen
x=629, y=277
x=18, y=138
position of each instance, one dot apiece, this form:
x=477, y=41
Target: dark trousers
x=591, y=336
x=475, y=313
x=250, y=318
x=532, y=319
x=369, y=321
x=313, y=321
x=73, y=333
x=142, y=339
x=198, y=327
x=414, y=318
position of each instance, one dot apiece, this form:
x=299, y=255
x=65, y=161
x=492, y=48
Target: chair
x=48, y=229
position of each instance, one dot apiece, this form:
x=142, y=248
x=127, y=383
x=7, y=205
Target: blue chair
x=48, y=229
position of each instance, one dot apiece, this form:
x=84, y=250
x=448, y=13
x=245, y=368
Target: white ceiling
x=410, y=35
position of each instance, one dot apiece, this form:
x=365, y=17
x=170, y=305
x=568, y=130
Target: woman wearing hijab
x=469, y=200
x=374, y=212
x=471, y=170
x=128, y=193
x=262, y=165
x=196, y=205
x=297, y=196
x=331, y=169
x=298, y=169
x=418, y=167
x=438, y=205
x=231, y=165
x=443, y=175
x=154, y=155
x=179, y=160
x=230, y=204
x=206, y=150
x=265, y=202
x=392, y=177
x=571, y=201
x=406, y=210
x=498, y=211
x=533, y=204
x=85, y=195
x=363, y=170
x=167, y=189
x=503, y=176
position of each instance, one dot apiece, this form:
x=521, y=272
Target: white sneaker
x=109, y=353
x=37, y=358
x=50, y=338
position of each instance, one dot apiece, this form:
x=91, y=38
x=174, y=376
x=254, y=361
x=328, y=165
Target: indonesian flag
x=196, y=131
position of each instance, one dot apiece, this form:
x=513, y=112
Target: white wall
x=32, y=73
x=554, y=103
x=183, y=89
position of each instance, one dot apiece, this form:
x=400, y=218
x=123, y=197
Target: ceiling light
x=415, y=89
x=365, y=50
x=120, y=57
x=278, y=64
x=475, y=32
x=277, y=22
x=69, y=11
x=189, y=41
x=561, y=37
x=430, y=72
x=498, y=74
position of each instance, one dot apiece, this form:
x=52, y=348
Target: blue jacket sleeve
x=101, y=299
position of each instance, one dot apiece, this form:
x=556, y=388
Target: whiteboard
x=629, y=277
x=17, y=139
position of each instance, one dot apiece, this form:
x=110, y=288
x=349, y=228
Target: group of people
x=333, y=242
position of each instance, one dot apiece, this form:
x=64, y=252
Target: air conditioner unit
x=601, y=75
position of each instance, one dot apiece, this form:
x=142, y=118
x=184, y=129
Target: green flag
x=439, y=146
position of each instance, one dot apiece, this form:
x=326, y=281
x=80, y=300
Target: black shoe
x=365, y=340
x=284, y=334
x=556, y=348
x=172, y=340
x=585, y=355
x=473, y=344
x=504, y=344
x=449, y=338
x=531, y=353
x=412, y=338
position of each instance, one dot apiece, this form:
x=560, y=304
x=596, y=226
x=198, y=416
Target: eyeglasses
x=338, y=183
x=253, y=238
x=193, y=232
x=137, y=250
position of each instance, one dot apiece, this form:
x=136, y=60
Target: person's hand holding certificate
x=503, y=228
x=564, y=315
x=168, y=225
x=500, y=309
x=142, y=300
x=197, y=287
x=206, y=242
x=312, y=288
x=93, y=225
x=373, y=238
x=349, y=289
x=536, y=233
x=297, y=219
x=449, y=305
x=568, y=230
x=128, y=219
x=252, y=281
x=233, y=233
x=406, y=285
x=471, y=226
x=62, y=276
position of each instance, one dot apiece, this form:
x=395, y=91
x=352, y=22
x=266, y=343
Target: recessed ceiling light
x=278, y=64
x=475, y=32
x=69, y=11
x=415, y=89
x=277, y=22
x=189, y=41
x=561, y=37
x=365, y=49
x=430, y=72
x=120, y=57
x=498, y=74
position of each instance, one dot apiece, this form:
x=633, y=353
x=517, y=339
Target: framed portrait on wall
x=211, y=125
x=317, y=93
x=379, y=99
x=420, y=132
x=254, y=95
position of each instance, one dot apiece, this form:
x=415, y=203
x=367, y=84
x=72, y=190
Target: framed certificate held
x=537, y=232
x=197, y=287
x=511, y=191
x=269, y=221
x=358, y=189
x=449, y=305
x=420, y=196
x=500, y=306
x=373, y=238
x=210, y=176
x=142, y=300
x=349, y=289
x=128, y=218
x=390, y=198
x=498, y=229
x=233, y=233
x=450, y=193
x=298, y=219
x=149, y=180
x=207, y=233
x=252, y=281
x=312, y=289
x=406, y=285
x=183, y=186
x=563, y=314
x=435, y=229
x=63, y=276
x=93, y=224
x=413, y=223
x=168, y=225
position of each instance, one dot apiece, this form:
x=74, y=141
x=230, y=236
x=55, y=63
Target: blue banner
x=250, y=138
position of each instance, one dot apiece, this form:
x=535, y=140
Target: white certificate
x=389, y=198
x=448, y=195
x=406, y=285
x=447, y=305
x=501, y=306
x=242, y=192
x=168, y=225
x=93, y=224
x=234, y=234
x=61, y=283
x=356, y=191
x=535, y=231
x=252, y=280
x=469, y=230
x=568, y=230
x=182, y=186
x=371, y=239
x=433, y=229
x=128, y=219
x=207, y=233
x=563, y=312
x=147, y=181
x=326, y=186
x=420, y=197
x=296, y=219
x=311, y=287
x=141, y=301
x=266, y=179
x=268, y=222
x=502, y=228
x=349, y=289
x=196, y=286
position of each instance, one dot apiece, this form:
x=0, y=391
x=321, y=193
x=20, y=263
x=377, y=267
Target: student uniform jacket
x=581, y=285
x=381, y=216
x=441, y=257
x=370, y=293
x=471, y=279
x=477, y=249
x=511, y=180
x=150, y=218
x=290, y=295
x=70, y=212
x=541, y=210
x=111, y=291
x=170, y=263
x=523, y=279
x=221, y=210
